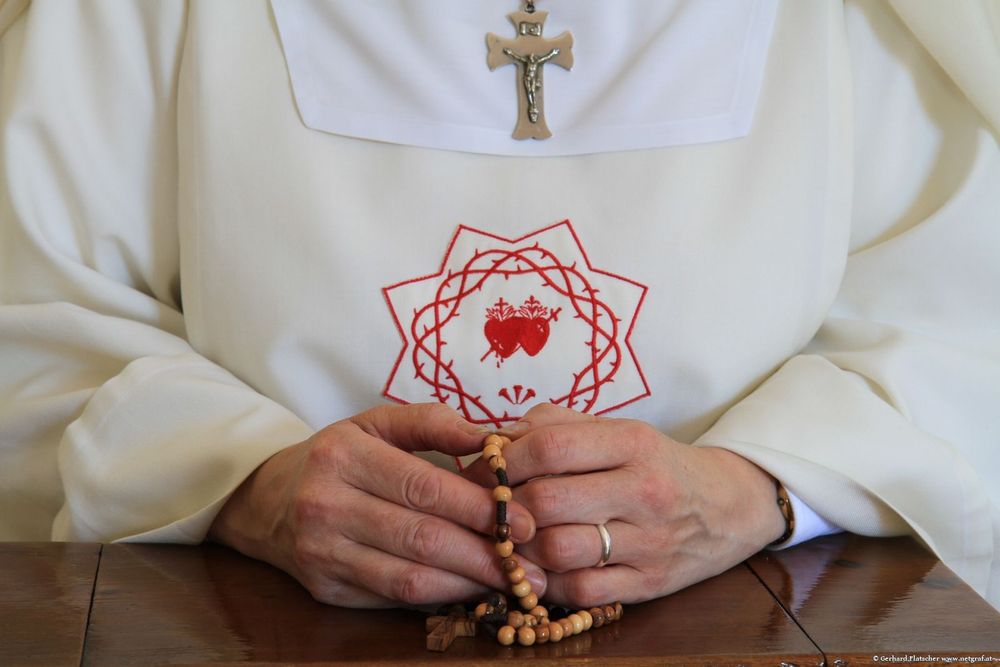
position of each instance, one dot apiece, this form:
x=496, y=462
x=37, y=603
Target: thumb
x=422, y=427
x=542, y=415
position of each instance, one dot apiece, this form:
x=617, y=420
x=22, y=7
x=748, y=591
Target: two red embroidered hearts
x=527, y=328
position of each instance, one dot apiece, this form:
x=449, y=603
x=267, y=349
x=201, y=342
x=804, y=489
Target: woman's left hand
x=676, y=514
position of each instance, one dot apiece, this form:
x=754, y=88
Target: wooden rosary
x=534, y=623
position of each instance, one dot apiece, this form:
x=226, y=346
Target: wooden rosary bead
x=506, y=634
x=502, y=531
x=498, y=601
x=505, y=549
x=522, y=588
x=516, y=576
x=535, y=625
x=489, y=451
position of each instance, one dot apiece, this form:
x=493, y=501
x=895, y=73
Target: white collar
x=647, y=73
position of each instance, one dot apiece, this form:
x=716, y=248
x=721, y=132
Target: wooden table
x=839, y=601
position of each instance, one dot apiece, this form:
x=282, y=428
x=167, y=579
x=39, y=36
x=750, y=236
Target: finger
x=333, y=591
x=545, y=414
x=585, y=498
x=561, y=549
x=318, y=567
x=389, y=576
x=422, y=427
x=571, y=448
x=581, y=589
x=406, y=480
x=541, y=415
x=433, y=541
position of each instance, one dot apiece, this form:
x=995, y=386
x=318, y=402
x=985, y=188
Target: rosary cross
x=529, y=51
x=442, y=630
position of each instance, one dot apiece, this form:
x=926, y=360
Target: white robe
x=191, y=277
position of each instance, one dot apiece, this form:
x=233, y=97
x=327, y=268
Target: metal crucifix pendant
x=529, y=51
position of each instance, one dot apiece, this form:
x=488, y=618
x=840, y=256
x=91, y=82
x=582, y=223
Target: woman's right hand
x=362, y=522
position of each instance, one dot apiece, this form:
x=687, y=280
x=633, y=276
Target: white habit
x=768, y=226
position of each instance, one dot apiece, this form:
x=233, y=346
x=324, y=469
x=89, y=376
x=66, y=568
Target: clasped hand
x=676, y=514
x=361, y=522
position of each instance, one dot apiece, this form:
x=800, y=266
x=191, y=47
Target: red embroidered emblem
x=526, y=328
x=567, y=342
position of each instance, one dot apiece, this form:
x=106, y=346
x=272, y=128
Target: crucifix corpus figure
x=529, y=51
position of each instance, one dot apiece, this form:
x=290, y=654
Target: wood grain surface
x=854, y=601
x=193, y=605
x=864, y=600
x=45, y=594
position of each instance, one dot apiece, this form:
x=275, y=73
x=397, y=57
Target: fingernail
x=472, y=429
x=517, y=428
x=537, y=579
x=521, y=527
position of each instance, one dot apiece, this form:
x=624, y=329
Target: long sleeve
x=888, y=422
x=111, y=424
x=152, y=150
